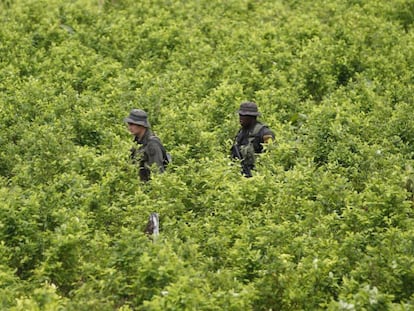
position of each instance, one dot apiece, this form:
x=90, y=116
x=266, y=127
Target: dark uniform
x=150, y=150
x=250, y=138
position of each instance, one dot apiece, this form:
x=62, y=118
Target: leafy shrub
x=326, y=220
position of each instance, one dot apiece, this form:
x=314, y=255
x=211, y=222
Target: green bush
x=326, y=221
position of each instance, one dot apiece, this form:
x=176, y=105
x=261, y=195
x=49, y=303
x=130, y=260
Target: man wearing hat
x=150, y=151
x=250, y=138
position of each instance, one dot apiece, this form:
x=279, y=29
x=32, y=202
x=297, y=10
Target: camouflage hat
x=248, y=109
x=138, y=117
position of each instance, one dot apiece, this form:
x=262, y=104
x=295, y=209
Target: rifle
x=235, y=154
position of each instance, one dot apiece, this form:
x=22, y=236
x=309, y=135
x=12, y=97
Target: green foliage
x=326, y=221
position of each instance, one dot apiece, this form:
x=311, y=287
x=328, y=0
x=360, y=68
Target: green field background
x=326, y=223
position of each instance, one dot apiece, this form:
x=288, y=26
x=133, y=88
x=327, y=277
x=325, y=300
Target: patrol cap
x=248, y=109
x=138, y=117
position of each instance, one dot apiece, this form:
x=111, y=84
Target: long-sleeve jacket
x=150, y=152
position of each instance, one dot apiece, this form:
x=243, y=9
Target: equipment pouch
x=248, y=155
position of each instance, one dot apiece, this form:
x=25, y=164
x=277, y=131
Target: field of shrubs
x=325, y=223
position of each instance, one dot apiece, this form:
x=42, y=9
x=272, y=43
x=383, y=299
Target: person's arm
x=155, y=155
x=268, y=136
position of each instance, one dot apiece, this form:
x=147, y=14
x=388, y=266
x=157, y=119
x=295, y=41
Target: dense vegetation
x=325, y=223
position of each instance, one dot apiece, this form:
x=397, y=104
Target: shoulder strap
x=256, y=130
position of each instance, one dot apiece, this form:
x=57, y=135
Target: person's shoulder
x=266, y=132
x=262, y=127
x=154, y=143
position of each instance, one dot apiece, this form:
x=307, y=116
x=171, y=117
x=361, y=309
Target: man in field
x=150, y=151
x=250, y=138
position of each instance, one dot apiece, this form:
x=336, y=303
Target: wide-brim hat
x=248, y=109
x=138, y=117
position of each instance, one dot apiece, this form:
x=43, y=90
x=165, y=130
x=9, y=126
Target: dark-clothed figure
x=250, y=138
x=150, y=151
